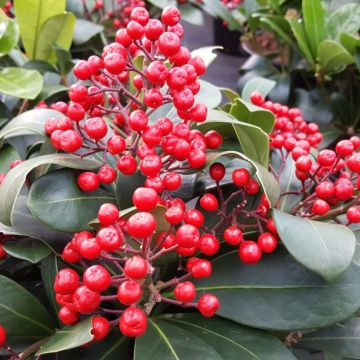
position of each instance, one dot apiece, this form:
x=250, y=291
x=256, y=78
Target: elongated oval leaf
x=28, y=123
x=279, y=293
x=10, y=37
x=68, y=337
x=85, y=30
x=327, y=249
x=30, y=249
x=262, y=85
x=57, y=195
x=21, y=314
x=10, y=188
x=231, y=340
x=21, y=83
x=8, y=154
x=31, y=15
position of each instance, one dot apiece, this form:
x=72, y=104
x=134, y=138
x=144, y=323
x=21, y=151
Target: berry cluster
x=124, y=95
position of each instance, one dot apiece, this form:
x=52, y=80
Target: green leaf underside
x=327, y=249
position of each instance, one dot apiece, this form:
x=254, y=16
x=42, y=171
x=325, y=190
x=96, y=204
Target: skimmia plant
x=143, y=218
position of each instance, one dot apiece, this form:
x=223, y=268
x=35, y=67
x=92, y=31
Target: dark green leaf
x=30, y=249
x=279, y=293
x=281, y=91
x=21, y=83
x=324, y=248
x=230, y=340
x=39, y=65
x=262, y=85
x=125, y=186
x=64, y=61
x=191, y=14
x=57, y=195
x=21, y=314
x=14, y=181
x=68, y=337
x=85, y=30
x=8, y=154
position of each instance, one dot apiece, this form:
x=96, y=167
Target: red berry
x=165, y=240
x=90, y=249
x=194, y=217
x=96, y=128
x=326, y=157
x=174, y=215
x=256, y=98
x=325, y=190
x=170, y=16
x=107, y=174
x=3, y=253
x=172, y=181
x=140, y=14
x=76, y=111
x=320, y=207
x=153, y=29
x=209, y=202
x=141, y=225
x=145, y=199
x=69, y=254
x=85, y=300
x=127, y=164
x=157, y=73
x=208, y=305
x=133, y=322
x=151, y=165
x=213, y=139
x=241, y=177
x=209, y=244
x=136, y=268
x=82, y=70
x=2, y=336
x=217, y=171
x=303, y=163
x=100, y=327
x=66, y=281
x=70, y=141
x=135, y=30
x=97, y=278
x=187, y=236
x=185, y=292
x=138, y=120
x=252, y=187
x=109, y=239
x=184, y=99
x=108, y=213
x=197, y=158
x=344, y=148
x=233, y=235
x=67, y=315
x=353, y=214
x=88, y=181
x=267, y=242
x=249, y=252
x=201, y=269
x=343, y=190
x=129, y=292
x=353, y=163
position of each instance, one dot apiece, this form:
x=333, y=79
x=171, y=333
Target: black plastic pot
x=229, y=40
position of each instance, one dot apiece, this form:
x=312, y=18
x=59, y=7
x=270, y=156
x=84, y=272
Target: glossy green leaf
x=68, y=337
x=191, y=14
x=314, y=23
x=49, y=269
x=31, y=15
x=8, y=154
x=57, y=195
x=21, y=83
x=281, y=92
x=10, y=37
x=14, y=181
x=262, y=85
x=345, y=19
x=57, y=30
x=350, y=42
x=41, y=66
x=207, y=53
x=251, y=114
x=30, y=249
x=209, y=95
x=21, y=314
x=341, y=339
x=85, y=30
x=125, y=186
x=327, y=249
x=279, y=293
x=333, y=57
x=231, y=340
x=49, y=91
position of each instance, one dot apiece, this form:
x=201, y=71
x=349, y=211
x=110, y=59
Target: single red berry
x=165, y=240
x=107, y=174
x=68, y=316
x=127, y=164
x=197, y=158
x=241, y=177
x=201, y=269
x=3, y=253
x=217, y=171
x=2, y=336
x=96, y=128
x=174, y=215
x=343, y=190
x=353, y=163
x=145, y=199
x=170, y=16
x=172, y=181
x=344, y=148
x=213, y=139
x=267, y=242
x=184, y=99
x=326, y=157
x=209, y=244
x=82, y=70
x=138, y=120
x=256, y=98
x=208, y=305
x=85, y=300
x=129, y=292
x=325, y=190
x=75, y=112
x=185, y=292
x=194, y=217
x=233, y=235
x=154, y=183
x=353, y=214
x=271, y=227
x=209, y=202
x=108, y=213
x=153, y=29
x=100, y=327
x=88, y=181
x=141, y=225
x=252, y=187
x=151, y=165
x=135, y=30
x=70, y=141
x=303, y=163
x=133, y=322
x=320, y=207
x=90, y=249
x=69, y=254
x=157, y=73
x=97, y=278
x=136, y=268
x=66, y=281
x=109, y=239
x=152, y=136
x=249, y=252
x=187, y=236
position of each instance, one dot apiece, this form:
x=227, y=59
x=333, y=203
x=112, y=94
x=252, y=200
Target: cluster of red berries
x=127, y=95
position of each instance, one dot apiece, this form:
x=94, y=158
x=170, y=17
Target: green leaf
x=57, y=30
x=39, y=65
x=345, y=19
x=14, y=181
x=350, y=42
x=206, y=53
x=333, y=57
x=341, y=339
x=251, y=114
x=231, y=340
x=64, y=61
x=314, y=22
x=21, y=314
x=57, y=195
x=262, y=85
x=324, y=248
x=68, y=337
x=30, y=249
x=209, y=95
x=191, y=14
x=10, y=37
x=303, y=42
x=31, y=15
x=8, y=154
x=21, y=83
x=49, y=91
x=281, y=92
x=49, y=269
x=125, y=186
x=279, y=293
x=85, y=30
